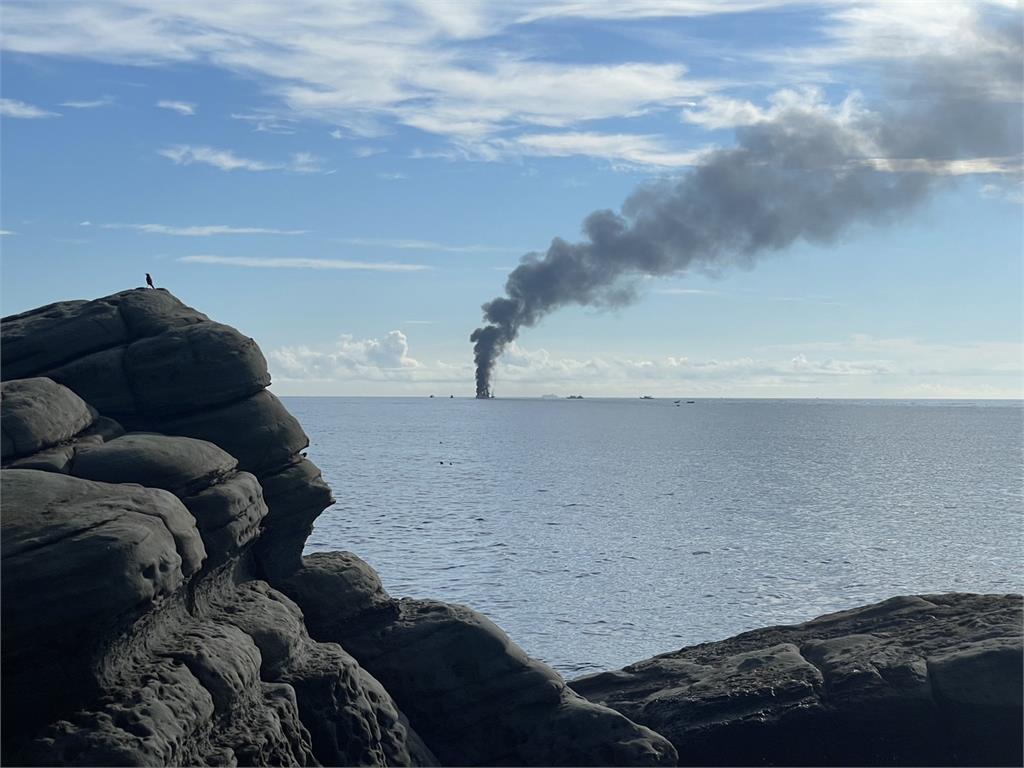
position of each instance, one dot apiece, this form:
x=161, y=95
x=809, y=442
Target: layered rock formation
x=144, y=620
x=920, y=680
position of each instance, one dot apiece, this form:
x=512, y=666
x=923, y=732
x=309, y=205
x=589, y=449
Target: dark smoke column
x=806, y=172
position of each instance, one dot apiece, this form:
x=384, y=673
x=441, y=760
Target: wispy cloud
x=227, y=160
x=426, y=245
x=181, y=107
x=617, y=148
x=260, y=262
x=687, y=292
x=204, y=230
x=817, y=300
x=19, y=109
x=224, y=159
x=365, y=151
x=4, y=232
x=366, y=70
x=304, y=162
x=392, y=176
x=89, y=104
x=267, y=122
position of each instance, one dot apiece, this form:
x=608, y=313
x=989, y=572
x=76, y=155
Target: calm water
x=600, y=532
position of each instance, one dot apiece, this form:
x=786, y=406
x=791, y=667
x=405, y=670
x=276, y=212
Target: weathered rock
x=39, y=413
x=180, y=465
x=189, y=368
x=101, y=380
x=79, y=560
x=228, y=515
x=929, y=680
x=258, y=431
x=56, y=459
x=44, y=338
x=351, y=718
x=472, y=695
x=337, y=587
x=296, y=495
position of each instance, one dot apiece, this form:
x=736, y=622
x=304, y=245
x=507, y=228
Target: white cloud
x=88, y=104
x=224, y=159
x=618, y=148
x=305, y=162
x=227, y=160
x=267, y=122
x=367, y=68
x=392, y=176
x=1011, y=191
x=687, y=292
x=426, y=245
x=181, y=107
x=817, y=300
x=203, y=230
x=4, y=232
x=262, y=262
x=362, y=68
x=857, y=367
x=638, y=9
x=364, y=151
x=384, y=358
x=19, y=109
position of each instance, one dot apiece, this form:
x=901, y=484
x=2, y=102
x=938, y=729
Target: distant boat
x=431, y=395
x=690, y=402
x=646, y=397
x=574, y=397
x=677, y=401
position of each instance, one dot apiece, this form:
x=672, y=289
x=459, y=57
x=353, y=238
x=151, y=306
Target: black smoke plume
x=806, y=172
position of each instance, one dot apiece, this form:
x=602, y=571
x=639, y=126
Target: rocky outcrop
x=920, y=680
x=142, y=617
x=473, y=695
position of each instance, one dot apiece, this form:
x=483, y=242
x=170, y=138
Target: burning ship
x=485, y=394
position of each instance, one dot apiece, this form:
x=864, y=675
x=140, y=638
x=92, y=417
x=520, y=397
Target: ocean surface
x=600, y=532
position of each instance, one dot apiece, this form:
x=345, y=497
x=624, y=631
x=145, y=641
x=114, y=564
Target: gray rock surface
x=166, y=666
x=79, y=560
x=919, y=680
x=181, y=465
x=38, y=413
x=468, y=691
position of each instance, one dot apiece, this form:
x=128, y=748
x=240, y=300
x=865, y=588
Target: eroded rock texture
x=919, y=680
x=142, y=622
x=472, y=694
x=137, y=624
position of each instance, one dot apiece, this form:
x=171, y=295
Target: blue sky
x=350, y=182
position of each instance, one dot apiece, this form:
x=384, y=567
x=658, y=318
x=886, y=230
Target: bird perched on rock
x=149, y=281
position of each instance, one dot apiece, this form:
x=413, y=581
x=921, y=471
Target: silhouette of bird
x=149, y=281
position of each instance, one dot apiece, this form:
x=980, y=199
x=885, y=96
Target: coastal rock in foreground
x=142, y=622
x=473, y=695
x=919, y=680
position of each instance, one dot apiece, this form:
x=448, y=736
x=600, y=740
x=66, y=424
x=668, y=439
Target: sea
x=599, y=532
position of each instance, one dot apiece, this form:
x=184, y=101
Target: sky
x=348, y=183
